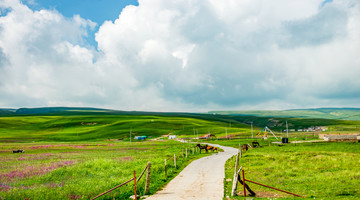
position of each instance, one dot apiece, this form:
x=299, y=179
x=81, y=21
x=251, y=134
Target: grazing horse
x=244, y=147
x=202, y=147
x=18, y=151
x=255, y=144
x=212, y=148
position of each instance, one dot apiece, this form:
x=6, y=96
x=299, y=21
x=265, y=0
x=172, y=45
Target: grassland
x=317, y=170
x=84, y=170
x=101, y=127
x=79, y=153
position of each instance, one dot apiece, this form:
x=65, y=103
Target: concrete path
x=203, y=179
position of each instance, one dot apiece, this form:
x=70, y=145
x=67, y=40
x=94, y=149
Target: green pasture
x=100, y=127
x=316, y=170
x=84, y=170
x=103, y=127
x=79, y=155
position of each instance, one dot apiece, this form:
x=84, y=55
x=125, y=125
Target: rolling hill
x=87, y=124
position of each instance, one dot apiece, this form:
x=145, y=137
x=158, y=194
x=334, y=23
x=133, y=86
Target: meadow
x=77, y=155
x=83, y=170
x=316, y=170
x=102, y=127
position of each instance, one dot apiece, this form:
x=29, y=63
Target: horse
x=202, y=147
x=212, y=148
x=255, y=144
x=18, y=151
x=244, y=147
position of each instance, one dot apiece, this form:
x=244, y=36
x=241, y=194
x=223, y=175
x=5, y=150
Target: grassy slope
x=324, y=113
x=100, y=127
x=320, y=170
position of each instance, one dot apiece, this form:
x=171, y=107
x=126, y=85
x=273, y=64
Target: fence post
x=233, y=191
x=135, y=185
x=175, y=161
x=165, y=169
x=147, y=184
x=240, y=151
x=244, y=183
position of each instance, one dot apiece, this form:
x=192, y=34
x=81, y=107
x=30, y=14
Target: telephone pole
x=252, y=133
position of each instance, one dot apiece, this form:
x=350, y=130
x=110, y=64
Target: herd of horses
x=244, y=147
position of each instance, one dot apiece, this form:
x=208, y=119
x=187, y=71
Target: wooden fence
x=147, y=183
x=237, y=178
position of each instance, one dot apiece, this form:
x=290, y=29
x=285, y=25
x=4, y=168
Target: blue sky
x=96, y=10
x=190, y=55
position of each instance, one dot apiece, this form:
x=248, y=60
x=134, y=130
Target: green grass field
x=317, y=170
x=102, y=127
x=84, y=170
x=97, y=126
x=76, y=155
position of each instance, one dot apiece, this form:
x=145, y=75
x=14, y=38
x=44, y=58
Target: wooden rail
x=148, y=166
x=244, y=179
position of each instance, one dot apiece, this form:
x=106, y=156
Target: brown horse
x=244, y=147
x=212, y=148
x=202, y=147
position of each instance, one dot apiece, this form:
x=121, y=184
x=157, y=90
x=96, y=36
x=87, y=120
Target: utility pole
x=252, y=133
x=197, y=132
x=130, y=134
x=226, y=132
x=287, y=130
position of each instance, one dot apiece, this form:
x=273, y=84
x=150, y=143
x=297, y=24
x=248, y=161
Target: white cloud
x=185, y=55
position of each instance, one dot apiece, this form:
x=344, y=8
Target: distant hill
x=45, y=110
x=7, y=111
x=320, y=113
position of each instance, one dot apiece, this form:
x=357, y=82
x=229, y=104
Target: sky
x=189, y=55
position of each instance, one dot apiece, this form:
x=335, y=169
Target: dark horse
x=255, y=144
x=203, y=147
x=18, y=151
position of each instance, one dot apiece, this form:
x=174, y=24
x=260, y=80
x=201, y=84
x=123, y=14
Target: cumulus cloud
x=185, y=55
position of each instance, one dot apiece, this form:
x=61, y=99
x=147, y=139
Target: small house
x=140, y=137
x=171, y=137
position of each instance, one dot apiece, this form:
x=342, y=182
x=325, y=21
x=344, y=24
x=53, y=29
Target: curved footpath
x=201, y=179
